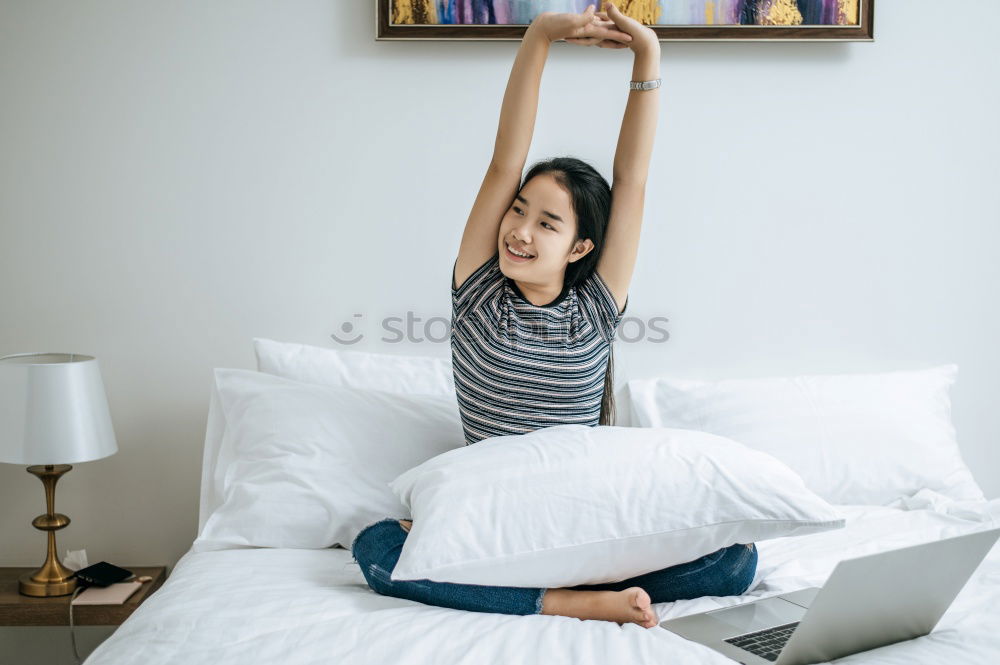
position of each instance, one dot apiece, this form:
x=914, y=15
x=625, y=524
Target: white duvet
x=313, y=606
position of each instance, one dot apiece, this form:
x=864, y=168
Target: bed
x=312, y=605
x=266, y=605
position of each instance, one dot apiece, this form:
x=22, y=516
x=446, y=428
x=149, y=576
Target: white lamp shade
x=53, y=410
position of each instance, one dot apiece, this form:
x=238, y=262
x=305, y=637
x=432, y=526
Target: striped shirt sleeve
x=474, y=286
x=598, y=304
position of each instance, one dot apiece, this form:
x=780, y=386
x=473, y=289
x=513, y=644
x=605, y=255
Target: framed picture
x=672, y=20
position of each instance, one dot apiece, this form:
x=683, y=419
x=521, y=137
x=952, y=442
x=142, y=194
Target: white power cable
x=72, y=633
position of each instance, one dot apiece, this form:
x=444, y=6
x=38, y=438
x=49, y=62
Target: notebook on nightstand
x=116, y=594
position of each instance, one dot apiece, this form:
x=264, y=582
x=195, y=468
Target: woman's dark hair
x=590, y=195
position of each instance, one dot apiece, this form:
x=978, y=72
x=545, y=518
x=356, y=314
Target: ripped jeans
x=726, y=572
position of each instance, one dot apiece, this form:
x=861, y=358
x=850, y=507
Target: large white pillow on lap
x=854, y=438
x=573, y=504
x=308, y=466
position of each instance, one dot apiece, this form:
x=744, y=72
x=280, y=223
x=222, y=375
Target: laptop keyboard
x=766, y=643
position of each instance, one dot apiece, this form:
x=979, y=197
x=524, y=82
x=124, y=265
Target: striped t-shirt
x=519, y=367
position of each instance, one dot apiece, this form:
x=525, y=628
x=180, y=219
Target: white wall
x=179, y=177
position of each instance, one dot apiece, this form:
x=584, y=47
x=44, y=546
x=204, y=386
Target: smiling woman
x=538, y=291
x=528, y=353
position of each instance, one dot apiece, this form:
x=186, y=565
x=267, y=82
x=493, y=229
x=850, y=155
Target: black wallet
x=102, y=573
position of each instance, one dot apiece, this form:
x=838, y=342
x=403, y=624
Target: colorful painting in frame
x=672, y=20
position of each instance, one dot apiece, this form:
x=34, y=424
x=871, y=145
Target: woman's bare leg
x=631, y=605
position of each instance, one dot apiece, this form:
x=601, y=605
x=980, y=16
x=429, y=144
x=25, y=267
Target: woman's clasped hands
x=610, y=29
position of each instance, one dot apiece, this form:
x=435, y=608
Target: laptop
x=867, y=602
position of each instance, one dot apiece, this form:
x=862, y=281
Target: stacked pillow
x=401, y=374
x=306, y=466
x=397, y=373
x=361, y=370
x=853, y=438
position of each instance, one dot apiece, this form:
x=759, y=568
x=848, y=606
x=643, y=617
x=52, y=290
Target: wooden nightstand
x=20, y=610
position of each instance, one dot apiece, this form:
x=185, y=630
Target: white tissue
x=75, y=559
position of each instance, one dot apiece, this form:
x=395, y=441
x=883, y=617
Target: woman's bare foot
x=631, y=605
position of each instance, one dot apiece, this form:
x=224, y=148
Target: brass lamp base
x=53, y=578
x=29, y=586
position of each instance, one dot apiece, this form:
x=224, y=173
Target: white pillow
x=407, y=375
x=428, y=375
x=573, y=504
x=424, y=375
x=854, y=438
x=309, y=465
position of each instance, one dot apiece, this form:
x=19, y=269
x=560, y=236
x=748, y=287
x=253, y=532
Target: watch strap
x=644, y=85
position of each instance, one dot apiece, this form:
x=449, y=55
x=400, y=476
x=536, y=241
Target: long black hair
x=590, y=195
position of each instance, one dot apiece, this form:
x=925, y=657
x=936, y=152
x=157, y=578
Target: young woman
x=538, y=289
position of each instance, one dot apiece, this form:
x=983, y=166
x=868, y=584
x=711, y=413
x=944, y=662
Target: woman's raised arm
x=632, y=157
x=520, y=100
x=642, y=111
x=517, y=124
x=503, y=177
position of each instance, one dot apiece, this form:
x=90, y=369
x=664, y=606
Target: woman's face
x=540, y=222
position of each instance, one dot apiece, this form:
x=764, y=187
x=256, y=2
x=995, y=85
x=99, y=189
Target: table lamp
x=53, y=413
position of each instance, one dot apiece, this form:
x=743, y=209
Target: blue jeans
x=726, y=572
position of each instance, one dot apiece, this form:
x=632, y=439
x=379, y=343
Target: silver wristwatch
x=644, y=85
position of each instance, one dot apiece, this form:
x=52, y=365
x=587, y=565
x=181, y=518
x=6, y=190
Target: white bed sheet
x=313, y=606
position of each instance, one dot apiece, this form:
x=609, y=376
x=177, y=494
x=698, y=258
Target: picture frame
x=439, y=20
